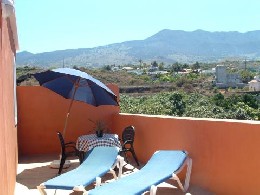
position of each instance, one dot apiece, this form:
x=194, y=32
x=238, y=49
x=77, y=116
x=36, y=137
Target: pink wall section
x=225, y=153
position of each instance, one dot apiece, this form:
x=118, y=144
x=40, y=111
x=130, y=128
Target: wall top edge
x=193, y=118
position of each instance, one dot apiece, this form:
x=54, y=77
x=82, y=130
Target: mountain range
x=167, y=46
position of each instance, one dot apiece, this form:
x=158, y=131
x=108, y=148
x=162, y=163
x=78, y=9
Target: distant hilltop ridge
x=166, y=46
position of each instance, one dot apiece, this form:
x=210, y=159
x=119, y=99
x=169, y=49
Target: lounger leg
x=98, y=182
x=79, y=188
x=41, y=189
x=153, y=190
x=188, y=173
x=119, y=163
x=187, y=178
x=176, y=178
x=120, y=168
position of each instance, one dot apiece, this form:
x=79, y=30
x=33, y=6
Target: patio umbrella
x=76, y=85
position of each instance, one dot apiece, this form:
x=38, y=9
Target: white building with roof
x=254, y=85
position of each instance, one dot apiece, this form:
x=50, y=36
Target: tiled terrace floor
x=35, y=170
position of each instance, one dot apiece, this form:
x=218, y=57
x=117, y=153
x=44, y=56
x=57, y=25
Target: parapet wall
x=225, y=153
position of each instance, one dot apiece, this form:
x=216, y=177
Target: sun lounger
x=163, y=165
x=98, y=162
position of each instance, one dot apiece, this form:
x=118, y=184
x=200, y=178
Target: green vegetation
x=21, y=71
x=243, y=106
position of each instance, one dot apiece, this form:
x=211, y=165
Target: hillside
x=166, y=46
x=133, y=84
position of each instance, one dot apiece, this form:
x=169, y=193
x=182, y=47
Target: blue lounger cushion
x=98, y=162
x=158, y=169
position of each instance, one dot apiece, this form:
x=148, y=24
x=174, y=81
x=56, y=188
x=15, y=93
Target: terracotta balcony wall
x=225, y=153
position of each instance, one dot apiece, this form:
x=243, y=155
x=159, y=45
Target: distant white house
x=254, y=85
x=137, y=72
x=185, y=71
x=212, y=71
x=157, y=72
x=127, y=68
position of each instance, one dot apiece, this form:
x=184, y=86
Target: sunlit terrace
x=225, y=153
x=35, y=169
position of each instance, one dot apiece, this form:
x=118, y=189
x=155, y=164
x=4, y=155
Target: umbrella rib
x=68, y=77
x=59, y=78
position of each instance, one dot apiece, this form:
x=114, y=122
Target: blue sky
x=48, y=25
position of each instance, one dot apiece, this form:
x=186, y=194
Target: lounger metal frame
x=119, y=164
x=184, y=188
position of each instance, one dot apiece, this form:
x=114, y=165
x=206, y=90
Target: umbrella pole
x=68, y=113
x=66, y=121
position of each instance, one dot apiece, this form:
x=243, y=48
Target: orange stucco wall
x=225, y=153
x=8, y=131
x=42, y=112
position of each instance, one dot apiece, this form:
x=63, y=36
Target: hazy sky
x=48, y=25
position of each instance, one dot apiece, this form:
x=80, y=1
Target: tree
x=178, y=105
x=75, y=67
x=250, y=100
x=145, y=65
x=154, y=64
x=176, y=67
x=185, y=66
x=141, y=63
x=196, y=66
x=161, y=66
x=107, y=67
x=220, y=100
x=246, y=76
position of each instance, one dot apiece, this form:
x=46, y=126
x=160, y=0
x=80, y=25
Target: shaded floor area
x=34, y=170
